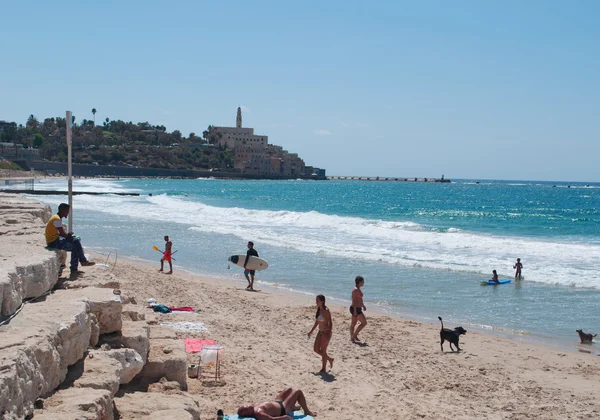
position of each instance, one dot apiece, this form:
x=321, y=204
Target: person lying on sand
x=280, y=409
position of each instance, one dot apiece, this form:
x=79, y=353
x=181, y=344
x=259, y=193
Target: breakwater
x=381, y=178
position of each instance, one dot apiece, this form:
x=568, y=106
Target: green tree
x=38, y=140
x=94, y=112
x=32, y=122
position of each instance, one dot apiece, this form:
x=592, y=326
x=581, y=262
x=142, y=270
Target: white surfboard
x=254, y=263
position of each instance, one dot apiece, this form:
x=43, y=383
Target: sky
x=468, y=89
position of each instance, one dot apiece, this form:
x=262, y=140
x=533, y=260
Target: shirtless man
x=356, y=309
x=167, y=256
x=518, y=266
x=280, y=409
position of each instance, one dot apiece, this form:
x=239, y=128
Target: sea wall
x=55, y=360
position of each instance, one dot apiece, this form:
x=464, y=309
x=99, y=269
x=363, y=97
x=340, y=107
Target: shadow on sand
x=326, y=376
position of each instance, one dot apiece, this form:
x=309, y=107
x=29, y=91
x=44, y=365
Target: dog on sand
x=451, y=336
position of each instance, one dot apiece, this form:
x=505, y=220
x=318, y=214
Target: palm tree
x=94, y=112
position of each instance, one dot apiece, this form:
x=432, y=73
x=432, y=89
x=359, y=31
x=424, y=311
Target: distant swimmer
x=250, y=253
x=518, y=266
x=495, y=277
x=356, y=309
x=167, y=256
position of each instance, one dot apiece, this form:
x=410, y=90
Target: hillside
x=120, y=143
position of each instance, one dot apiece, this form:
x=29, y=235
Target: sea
x=423, y=248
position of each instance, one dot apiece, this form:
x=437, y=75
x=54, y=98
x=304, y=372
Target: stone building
x=254, y=155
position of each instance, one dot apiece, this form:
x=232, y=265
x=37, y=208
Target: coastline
x=526, y=337
x=400, y=372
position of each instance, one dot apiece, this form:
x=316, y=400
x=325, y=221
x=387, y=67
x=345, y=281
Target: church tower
x=238, y=120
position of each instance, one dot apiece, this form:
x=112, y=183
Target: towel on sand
x=297, y=415
x=194, y=345
x=181, y=309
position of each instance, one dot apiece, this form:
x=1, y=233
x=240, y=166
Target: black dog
x=452, y=336
x=585, y=338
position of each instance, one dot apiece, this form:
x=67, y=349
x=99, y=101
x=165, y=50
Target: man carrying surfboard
x=167, y=256
x=251, y=252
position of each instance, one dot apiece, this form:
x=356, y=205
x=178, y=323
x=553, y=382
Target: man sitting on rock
x=280, y=409
x=58, y=238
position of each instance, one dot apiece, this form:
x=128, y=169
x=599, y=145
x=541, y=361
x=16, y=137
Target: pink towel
x=182, y=309
x=194, y=345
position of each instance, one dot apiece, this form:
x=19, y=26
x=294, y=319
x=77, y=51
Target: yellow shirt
x=52, y=228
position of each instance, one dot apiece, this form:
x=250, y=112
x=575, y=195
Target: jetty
x=381, y=178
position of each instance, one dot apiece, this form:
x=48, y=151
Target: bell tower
x=238, y=120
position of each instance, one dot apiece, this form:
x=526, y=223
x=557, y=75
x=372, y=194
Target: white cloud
x=321, y=132
x=244, y=108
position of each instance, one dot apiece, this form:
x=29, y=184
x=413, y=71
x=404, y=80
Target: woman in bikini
x=356, y=309
x=325, y=324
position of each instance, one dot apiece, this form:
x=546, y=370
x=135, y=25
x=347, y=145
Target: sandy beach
x=399, y=373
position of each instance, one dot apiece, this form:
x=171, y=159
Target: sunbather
x=280, y=409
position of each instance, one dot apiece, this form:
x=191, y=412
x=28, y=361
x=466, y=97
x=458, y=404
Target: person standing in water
x=251, y=252
x=167, y=256
x=356, y=309
x=325, y=324
x=518, y=266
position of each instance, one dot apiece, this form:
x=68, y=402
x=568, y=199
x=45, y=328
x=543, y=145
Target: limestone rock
x=76, y=403
x=108, y=369
x=140, y=405
x=160, y=332
x=166, y=358
x=134, y=312
x=36, y=348
x=104, y=304
x=131, y=363
x=30, y=269
x=174, y=414
x=135, y=335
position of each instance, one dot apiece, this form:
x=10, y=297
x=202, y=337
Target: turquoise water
x=423, y=248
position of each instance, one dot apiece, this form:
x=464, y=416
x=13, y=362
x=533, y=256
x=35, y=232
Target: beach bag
x=161, y=308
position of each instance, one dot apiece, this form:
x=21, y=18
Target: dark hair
x=62, y=206
x=358, y=279
x=250, y=243
x=322, y=299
